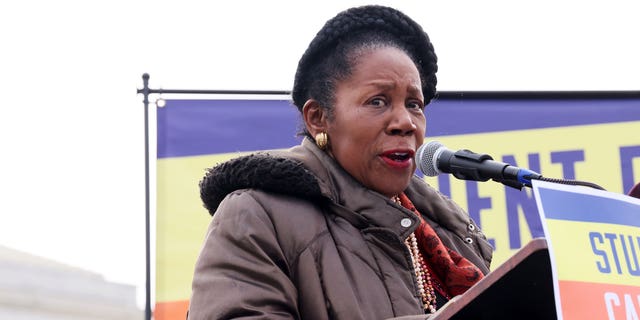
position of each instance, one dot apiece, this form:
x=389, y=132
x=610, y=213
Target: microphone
x=434, y=158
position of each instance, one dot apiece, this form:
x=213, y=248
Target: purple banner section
x=450, y=117
x=199, y=127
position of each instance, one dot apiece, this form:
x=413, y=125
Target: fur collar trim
x=258, y=171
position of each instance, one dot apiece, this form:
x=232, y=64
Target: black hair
x=332, y=54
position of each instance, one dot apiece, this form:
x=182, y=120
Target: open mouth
x=398, y=156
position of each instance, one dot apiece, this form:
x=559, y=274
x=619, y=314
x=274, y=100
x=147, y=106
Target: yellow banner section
x=596, y=252
x=181, y=222
x=589, y=153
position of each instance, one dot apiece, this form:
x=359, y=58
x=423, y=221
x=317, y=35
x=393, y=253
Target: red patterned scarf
x=448, y=267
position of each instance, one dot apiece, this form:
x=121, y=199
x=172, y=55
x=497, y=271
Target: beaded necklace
x=423, y=276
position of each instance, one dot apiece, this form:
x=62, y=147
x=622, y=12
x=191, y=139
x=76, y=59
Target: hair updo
x=332, y=54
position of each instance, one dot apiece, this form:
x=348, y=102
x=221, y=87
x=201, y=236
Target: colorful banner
x=593, y=140
x=594, y=243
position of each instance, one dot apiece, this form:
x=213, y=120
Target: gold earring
x=322, y=140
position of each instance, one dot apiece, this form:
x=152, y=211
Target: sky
x=72, y=185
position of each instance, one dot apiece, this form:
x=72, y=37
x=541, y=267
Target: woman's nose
x=401, y=121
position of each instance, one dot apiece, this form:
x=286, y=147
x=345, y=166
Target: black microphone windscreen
x=425, y=158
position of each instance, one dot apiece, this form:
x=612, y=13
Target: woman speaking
x=339, y=227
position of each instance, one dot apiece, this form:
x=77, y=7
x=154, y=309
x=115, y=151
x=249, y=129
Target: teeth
x=398, y=155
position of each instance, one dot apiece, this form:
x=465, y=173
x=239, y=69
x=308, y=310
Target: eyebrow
x=381, y=84
x=415, y=89
x=387, y=85
x=390, y=85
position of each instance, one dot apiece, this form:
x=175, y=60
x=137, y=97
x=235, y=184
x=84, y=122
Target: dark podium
x=520, y=288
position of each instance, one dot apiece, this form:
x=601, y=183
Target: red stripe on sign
x=171, y=310
x=585, y=300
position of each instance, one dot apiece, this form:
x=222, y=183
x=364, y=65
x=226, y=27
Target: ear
x=314, y=116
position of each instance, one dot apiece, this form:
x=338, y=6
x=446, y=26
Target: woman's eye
x=415, y=105
x=379, y=102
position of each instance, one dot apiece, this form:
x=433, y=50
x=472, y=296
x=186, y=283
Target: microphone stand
x=510, y=176
x=535, y=176
x=572, y=182
x=467, y=165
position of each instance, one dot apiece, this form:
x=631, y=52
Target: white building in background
x=34, y=288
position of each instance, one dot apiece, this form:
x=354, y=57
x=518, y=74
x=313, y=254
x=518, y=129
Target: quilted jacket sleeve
x=241, y=271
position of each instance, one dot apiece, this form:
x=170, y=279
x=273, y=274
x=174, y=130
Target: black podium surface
x=521, y=288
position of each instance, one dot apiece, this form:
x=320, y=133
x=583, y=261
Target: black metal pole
x=146, y=91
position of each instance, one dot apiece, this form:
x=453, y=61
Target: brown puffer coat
x=295, y=237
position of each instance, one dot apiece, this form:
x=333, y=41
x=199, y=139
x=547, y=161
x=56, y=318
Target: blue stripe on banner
x=561, y=205
x=451, y=117
x=199, y=127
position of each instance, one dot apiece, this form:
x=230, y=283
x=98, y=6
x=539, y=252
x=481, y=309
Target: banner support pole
x=146, y=91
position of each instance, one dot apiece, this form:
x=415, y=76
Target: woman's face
x=378, y=120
